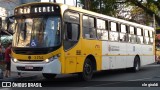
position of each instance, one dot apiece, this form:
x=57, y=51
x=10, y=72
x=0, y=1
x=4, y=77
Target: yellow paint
x=70, y=63
x=128, y=55
x=35, y=57
x=93, y=47
x=70, y=58
x=74, y=63
x=158, y=55
x=80, y=61
x=157, y=52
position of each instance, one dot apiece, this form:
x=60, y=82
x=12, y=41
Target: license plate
x=28, y=67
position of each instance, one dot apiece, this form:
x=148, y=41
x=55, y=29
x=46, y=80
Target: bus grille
x=34, y=51
x=30, y=60
x=31, y=52
x=34, y=69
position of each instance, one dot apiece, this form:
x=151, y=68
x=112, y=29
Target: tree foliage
x=150, y=7
x=111, y=7
x=107, y=7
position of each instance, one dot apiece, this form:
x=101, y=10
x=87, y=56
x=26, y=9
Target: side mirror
x=11, y=24
x=11, y=28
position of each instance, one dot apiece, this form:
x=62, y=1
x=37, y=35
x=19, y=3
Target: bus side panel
x=114, y=55
x=106, y=60
x=130, y=60
x=132, y=51
x=94, y=48
x=71, y=57
x=80, y=62
x=148, y=55
x=121, y=55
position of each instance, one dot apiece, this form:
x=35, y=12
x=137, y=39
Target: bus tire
x=87, y=73
x=136, y=65
x=49, y=76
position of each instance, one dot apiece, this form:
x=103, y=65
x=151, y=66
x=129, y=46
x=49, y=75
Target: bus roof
x=94, y=14
x=110, y=18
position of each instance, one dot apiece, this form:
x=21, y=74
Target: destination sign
x=37, y=9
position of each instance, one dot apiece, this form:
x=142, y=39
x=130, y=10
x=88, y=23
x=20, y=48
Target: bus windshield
x=37, y=32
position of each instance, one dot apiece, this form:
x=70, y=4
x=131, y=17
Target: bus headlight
x=52, y=58
x=14, y=60
x=49, y=60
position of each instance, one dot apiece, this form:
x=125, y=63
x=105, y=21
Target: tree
x=151, y=7
x=114, y=7
x=107, y=7
x=138, y=15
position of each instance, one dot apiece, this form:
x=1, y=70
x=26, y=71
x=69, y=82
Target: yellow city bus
x=51, y=39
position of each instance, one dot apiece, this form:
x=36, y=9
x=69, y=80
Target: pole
x=64, y=1
x=76, y=3
x=154, y=21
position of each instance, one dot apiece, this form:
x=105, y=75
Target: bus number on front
x=38, y=57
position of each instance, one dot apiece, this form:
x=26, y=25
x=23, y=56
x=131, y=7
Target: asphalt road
x=145, y=79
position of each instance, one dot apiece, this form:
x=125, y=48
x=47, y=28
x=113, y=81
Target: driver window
x=71, y=34
x=71, y=29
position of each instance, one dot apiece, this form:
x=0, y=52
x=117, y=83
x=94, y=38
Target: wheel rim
x=88, y=69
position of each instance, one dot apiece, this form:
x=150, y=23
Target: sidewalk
x=14, y=77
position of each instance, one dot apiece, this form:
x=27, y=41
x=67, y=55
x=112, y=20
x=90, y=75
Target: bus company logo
x=29, y=57
x=6, y=84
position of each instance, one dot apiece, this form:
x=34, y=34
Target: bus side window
x=102, y=33
x=71, y=29
x=123, y=35
x=139, y=36
x=68, y=29
x=71, y=35
x=89, y=31
x=146, y=38
x=132, y=36
x=113, y=35
x=71, y=32
x=151, y=37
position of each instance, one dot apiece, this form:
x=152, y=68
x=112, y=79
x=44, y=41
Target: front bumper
x=53, y=67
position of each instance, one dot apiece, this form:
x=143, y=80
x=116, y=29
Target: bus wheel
x=49, y=76
x=136, y=66
x=87, y=70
